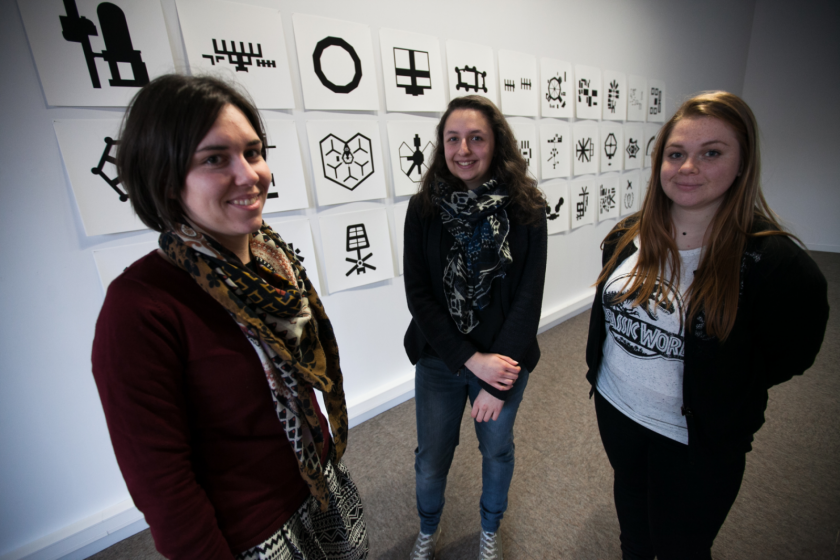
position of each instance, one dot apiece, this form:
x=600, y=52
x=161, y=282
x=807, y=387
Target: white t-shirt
x=641, y=372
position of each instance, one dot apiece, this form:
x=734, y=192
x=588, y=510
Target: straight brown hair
x=716, y=284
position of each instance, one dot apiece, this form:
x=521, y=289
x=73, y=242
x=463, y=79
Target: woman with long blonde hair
x=704, y=302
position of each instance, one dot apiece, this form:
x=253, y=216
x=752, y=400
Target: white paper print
x=400, y=210
x=518, y=88
x=634, y=146
x=588, y=93
x=615, y=95
x=93, y=53
x=656, y=101
x=298, y=236
x=608, y=197
x=288, y=186
x=651, y=132
x=88, y=148
x=556, y=149
x=412, y=71
x=526, y=139
x=240, y=42
x=112, y=261
x=585, y=149
x=357, y=249
x=346, y=161
x=557, y=206
x=612, y=141
x=583, y=199
x=336, y=64
x=471, y=70
x=631, y=193
x=411, y=144
x=636, y=98
x=557, y=88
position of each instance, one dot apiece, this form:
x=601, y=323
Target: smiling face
x=702, y=159
x=227, y=182
x=468, y=146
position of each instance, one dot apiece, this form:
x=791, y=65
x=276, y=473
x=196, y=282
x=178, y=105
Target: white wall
x=792, y=84
x=58, y=475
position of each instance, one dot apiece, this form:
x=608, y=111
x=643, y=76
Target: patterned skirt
x=310, y=534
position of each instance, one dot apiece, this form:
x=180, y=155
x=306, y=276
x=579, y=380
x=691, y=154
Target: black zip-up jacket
x=779, y=327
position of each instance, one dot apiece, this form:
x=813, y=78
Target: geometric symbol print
x=607, y=199
x=612, y=96
x=239, y=58
x=554, y=91
x=117, y=39
x=416, y=157
x=554, y=151
x=628, y=195
x=649, y=145
x=347, y=163
x=296, y=252
x=583, y=204
x=464, y=73
x=412, y=68
x=585, y=150
x=323, y=45
x=556, y=214
x=635, y=99
x=525, y=84
x=510, y=85
x=273, y=184
x=632, y=148
x=525, y=150
x=108, y=158
x=656, y=101
x=357, y=240
x=610, y=146
x=586, y=95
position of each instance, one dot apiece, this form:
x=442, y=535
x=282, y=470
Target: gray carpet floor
x=560, y=503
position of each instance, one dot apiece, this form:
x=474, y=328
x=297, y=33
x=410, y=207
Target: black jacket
x=521, y=296
x=779, y=327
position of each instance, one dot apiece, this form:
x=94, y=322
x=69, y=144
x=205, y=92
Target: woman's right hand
x=496, y=370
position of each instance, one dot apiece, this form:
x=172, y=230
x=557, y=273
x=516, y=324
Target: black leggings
x=667, y=505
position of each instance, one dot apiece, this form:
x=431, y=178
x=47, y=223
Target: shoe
x=425, y=545
x=490, y=546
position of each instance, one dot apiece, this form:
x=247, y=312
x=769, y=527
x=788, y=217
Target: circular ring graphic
x=357, y=63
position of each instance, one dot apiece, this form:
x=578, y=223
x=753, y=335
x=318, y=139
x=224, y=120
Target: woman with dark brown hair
x=208, y=351
x=475, y=257
x=704, y=302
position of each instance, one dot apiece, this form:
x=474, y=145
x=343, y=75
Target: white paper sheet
x=631, y=192
x=608, y=197
x=583, y=201
x=636, y=98
x=556, y=149
x=612, y=141
x=400, y=210
x=412, y=70
x=471, y=70
x=526, y=138
x=656, y=101
x=588, y=92
x=518, y=83
x=288, y=186
x=557, y=208
x=557, y=89
x=411, y=145
x=651, y=132
x=634, y=146
x=615, y=96
x=586, y=150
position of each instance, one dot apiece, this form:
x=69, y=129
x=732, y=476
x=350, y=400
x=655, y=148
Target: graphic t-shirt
x=641, y=373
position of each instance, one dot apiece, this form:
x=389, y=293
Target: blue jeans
x=440, y=397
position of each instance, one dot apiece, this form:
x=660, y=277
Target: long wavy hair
x=527, y=203
x=716, y=283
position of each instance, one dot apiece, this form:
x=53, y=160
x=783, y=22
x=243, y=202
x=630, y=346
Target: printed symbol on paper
x=554, y=151
x=585, y=150
x=556, y=213
x=510, y=85
x=649, y=145
x=655, y=101
x=635, y=98
x=525, y=83
x=108, y=158
x=586, y=94
x=117, y=39
x=525, y=150
x=554, y=91
x=465, y=72
x=323, y=45
x=357, y=240
x=413, y=70
x=607, y=199
x=613, y=95
x=610, y=148
x=632, y=148
x=628, y=195
x=414, y=159
x=239, y=58
x=583, y=204
x=297, y=253
x=347, y=163
x=273, y=184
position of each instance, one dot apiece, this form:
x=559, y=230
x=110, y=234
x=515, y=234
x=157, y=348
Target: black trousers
x=668, y=506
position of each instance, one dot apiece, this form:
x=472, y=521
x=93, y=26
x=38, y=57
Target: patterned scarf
x=479, y=223
x=285, y=322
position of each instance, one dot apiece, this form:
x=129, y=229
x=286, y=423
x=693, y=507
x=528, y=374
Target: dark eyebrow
x=216, y=147
x=669, y=145
x=479, y=131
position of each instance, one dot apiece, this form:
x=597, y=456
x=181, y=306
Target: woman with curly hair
x=474, y=261
x=704, y=302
